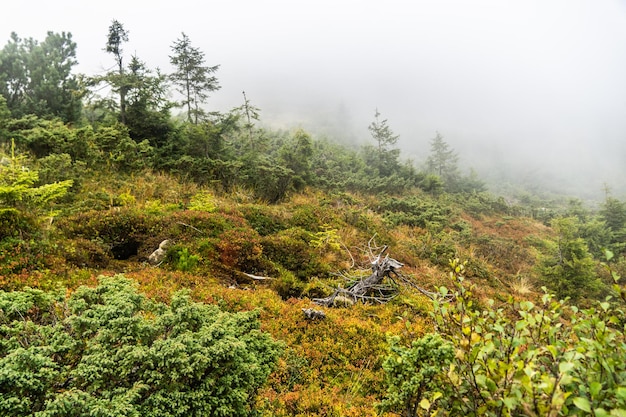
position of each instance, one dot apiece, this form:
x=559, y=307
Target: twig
x=349, y=253
x=256, y=276
x=190, y=226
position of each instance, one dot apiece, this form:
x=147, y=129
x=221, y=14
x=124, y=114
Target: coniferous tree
x=295, y=155
x=22, y=202
x=442, y=160
x=251, y=113
x=36, y=78
x=385, y=155
x=613, y=213
x=569, y=269
x=13, y=76
x=115, y=39
x=147, y=112
x=192, y=78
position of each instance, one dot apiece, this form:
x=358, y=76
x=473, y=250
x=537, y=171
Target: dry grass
x=522, y=285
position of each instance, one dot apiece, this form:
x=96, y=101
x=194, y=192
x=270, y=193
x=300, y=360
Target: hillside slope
x=307, y=245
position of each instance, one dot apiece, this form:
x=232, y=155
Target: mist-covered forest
x=159, y=258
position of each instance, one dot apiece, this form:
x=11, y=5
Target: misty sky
x=537, y=86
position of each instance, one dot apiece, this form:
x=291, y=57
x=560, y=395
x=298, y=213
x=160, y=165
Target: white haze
x=525, y=90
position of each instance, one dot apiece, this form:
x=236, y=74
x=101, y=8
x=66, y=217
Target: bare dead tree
x=381, y=286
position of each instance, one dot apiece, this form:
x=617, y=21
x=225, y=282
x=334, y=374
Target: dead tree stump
x=370, y=288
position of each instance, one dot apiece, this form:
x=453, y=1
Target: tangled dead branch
x=381, y=286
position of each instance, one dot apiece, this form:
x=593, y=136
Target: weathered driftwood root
x=371, y=289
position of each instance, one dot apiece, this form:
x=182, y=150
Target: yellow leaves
x=453, y=376
x=459, y=354
x=328, y=238
x=203, y=201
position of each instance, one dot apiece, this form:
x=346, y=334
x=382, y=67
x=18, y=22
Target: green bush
x=181, y=259
x=262, y=219
x=193, y=224
x=414, y=211
x=287, y=285
x=292, y=250
x=438, y=248
x=567, y=267
x=414, y=374
x=523, y=359
x=110, y=351
x=123, y=231
x=23, y=204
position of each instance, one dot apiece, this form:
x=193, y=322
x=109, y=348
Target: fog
x=530, y=91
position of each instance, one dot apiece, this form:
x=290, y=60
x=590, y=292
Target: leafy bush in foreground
x=110, y=351
x=518, y=360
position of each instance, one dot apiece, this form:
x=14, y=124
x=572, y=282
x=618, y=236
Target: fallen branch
x=256, y=277
x=190, y=226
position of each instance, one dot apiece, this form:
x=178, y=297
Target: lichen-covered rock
x=158, y=255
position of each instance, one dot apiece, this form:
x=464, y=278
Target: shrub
x=181, y=259
x=240, y=248
x=193, y=223
x=110, y=351
x=122, y=231
x=262, y=219
x=415, y=373
x=438, y=248
x=22, y=203
x=86, y=253
x=413, y=211
x=568, y=268
x=292, y=250
x=525, y=359
x=19, y=256
x=287, y=285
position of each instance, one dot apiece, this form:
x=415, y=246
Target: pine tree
x=116, y=37
x=442, y=160
x=192, y=78
x=385, y=157
x=36, y=78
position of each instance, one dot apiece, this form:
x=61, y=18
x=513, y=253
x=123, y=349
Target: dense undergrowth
x=328, y=367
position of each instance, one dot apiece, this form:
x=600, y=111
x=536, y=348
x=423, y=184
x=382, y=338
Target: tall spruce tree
x=385, y=155
x=442, y=160
x=192, y=78
x=115, y=39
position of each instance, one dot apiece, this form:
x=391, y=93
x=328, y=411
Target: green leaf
x=594, y=388
x=565, y=367
x=510, y=402
x=583, y=404
x=600, y=412
x=552, y=350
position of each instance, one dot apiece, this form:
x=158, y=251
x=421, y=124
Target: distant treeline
x=57, y=116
